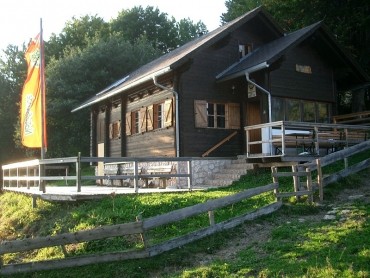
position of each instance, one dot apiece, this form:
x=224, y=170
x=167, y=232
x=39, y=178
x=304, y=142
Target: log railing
x=284, y=138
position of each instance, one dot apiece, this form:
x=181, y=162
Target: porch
x=300, y=141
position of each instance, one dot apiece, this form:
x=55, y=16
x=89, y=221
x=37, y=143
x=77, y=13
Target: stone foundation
x=202, y=169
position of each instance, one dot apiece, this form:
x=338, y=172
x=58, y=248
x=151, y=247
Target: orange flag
x=33, y=132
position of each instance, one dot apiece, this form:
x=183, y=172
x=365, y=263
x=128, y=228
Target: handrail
x=319, y=135
x=223, y=141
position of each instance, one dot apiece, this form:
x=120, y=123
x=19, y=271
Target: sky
x=20, y=19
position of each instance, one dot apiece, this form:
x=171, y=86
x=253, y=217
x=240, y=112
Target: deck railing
x=33, y=173
x=286, y=138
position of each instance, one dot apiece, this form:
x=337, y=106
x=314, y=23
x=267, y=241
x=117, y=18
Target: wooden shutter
x=149, y=118
x=232, y=116
x=143, y=120
x=168, y=111
x=200, y=113
x=128, y=123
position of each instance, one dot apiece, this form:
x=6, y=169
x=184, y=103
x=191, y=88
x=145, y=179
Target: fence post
x=41, y=175
x=136, y=178
x=275, y=180
x=78, y=172
x=309, y=184
x=319, y=179
x=139, y=218
x=296, y=180
x=190, y=172
x=211, y=216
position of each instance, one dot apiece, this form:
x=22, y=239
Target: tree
x=149, y=23
x=78, y=76
x=12, y=76
x=78, y=32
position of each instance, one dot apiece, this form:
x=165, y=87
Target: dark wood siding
x=287, y=82
x=200, y=84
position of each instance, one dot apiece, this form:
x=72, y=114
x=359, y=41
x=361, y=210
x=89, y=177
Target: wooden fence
x=139, y=227
x=143, y=226
x=33, y=171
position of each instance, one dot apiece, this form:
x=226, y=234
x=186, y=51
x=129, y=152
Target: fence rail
x=33, y=171
x=138, y=227
x=287, y=138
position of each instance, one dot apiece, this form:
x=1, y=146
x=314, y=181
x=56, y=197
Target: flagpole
x=42, y=81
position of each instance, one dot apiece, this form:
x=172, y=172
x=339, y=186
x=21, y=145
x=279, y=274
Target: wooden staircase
x=230, y=173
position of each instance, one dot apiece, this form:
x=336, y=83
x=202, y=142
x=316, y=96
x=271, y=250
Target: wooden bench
x=354, y=137
x=332, y=140
x=298, y=139
x=160, y=172
x=118, y=169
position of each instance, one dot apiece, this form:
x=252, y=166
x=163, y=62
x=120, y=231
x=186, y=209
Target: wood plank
x=346, y=172
x=69, y=238
x=289, y=174
x=183, y=213
x=290, y=194
x=231, y=223
x=73, y=262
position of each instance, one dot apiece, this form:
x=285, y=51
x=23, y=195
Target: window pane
x=220, y=109
x=323, y=110
x=293, y=111
x=211, y=121
x=277, y=107
x=308, y=111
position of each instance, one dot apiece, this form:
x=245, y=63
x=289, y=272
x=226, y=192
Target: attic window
x=245, y=49
x=303, y=69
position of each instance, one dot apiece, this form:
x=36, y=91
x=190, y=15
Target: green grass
x=292, y=248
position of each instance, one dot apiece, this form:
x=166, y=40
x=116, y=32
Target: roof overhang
x=243, y=72
x=133, y=84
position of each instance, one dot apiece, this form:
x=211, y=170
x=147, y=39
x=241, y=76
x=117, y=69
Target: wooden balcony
x=300, y=141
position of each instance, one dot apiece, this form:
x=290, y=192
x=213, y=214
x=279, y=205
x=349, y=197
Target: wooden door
x=254, y=118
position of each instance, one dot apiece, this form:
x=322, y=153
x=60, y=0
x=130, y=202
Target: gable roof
x=271, y=52
x=175, y=58
x=268, y=53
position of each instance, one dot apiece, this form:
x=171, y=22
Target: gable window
x=245, y=49
x=216, y=115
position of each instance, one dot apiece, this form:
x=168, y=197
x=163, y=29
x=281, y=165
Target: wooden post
x=248, y=145
x=211, y=216
x=275, y=180
x=316, y=139
x=190, y=172
x=296, y=180
x=28, y=174
x=34, y=201
x=309, y=184
x=41, y=175
x=136, y=178
x=139, y=218
x=283, y=139
x=78, y=172
x=319, y=180
x=346, y=159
